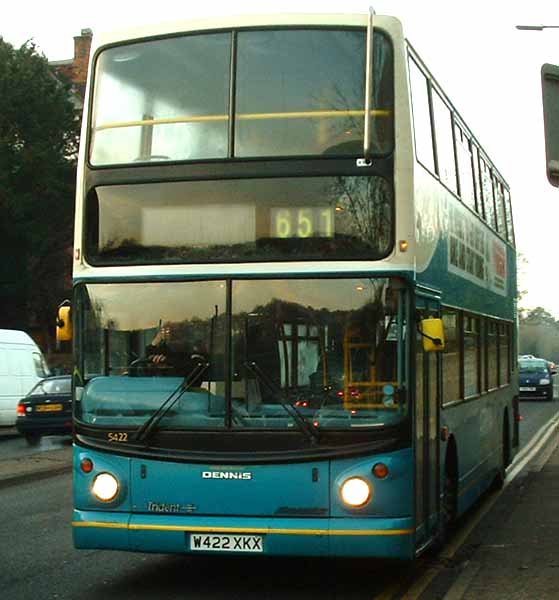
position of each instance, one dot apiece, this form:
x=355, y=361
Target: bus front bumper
x=349, y=537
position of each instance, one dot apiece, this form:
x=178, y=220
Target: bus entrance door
x=427, y=384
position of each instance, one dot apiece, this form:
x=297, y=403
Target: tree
x=39, y=132
x=539, y=316
x=539, y=333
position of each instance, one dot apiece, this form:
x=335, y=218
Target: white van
x=21, y=365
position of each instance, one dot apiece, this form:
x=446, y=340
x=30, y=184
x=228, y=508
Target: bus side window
x=446, y=164
x=421, y=117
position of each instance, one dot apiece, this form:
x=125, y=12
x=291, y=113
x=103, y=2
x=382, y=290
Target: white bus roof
x=13, y=336
x=225, y=22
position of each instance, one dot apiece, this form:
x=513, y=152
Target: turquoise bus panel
x=458, y=254
x=390, y=497
x=493, y=295
x=294, y=489
x=392, y=538
x=359, y=537
x=103, y=462
x=477, y=435
x=284, y=490
x=101, y=530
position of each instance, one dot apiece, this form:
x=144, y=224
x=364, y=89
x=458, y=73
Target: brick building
x=75, y=68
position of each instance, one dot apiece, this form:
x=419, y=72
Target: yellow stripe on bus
x=349, y=532
x=243, y=117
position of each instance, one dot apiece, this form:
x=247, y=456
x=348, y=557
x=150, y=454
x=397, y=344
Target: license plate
x=527, y=389
x=218, y=542
x=49, y=407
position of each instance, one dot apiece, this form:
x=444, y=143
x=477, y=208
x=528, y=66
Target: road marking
x=533, y=446
x=421, y=584
x=457, y=591
x=389, y=593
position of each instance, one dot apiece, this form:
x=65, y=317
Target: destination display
x=302, y=222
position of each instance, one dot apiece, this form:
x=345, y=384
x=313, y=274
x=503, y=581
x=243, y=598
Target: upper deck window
x=421, y=116
x=303, y=92
x=296, y=92
x=508, y=216
x=487, y=189
x=464, y=164
x=162, y=100
x=445, y=144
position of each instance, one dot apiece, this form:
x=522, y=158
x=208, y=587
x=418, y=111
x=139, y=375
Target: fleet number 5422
x=119, y=436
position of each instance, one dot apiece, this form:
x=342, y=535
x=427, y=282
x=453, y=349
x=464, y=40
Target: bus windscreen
x=329, y=348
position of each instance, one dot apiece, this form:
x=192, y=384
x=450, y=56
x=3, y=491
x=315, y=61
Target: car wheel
x=32, y=439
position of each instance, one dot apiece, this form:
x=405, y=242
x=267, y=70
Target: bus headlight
x=105, y=487
x=355, y=491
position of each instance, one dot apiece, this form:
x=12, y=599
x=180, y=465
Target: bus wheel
x=499, y=481
x=450, y=499
x=449, y=503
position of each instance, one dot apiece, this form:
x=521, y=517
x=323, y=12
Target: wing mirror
x=64, y=330
x=432, y=332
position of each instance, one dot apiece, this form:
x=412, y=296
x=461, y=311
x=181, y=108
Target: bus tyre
x=32, y=439
x=450, y=500
x=499, y=481
x=449, y=507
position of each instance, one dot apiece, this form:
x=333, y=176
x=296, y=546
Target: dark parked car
x=46, y=410
x=536, y=379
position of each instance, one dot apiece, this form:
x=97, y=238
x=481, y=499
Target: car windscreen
x=533, y=366
x=53, y=386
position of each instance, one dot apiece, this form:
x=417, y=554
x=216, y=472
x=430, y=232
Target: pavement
x=8, y=433
x=32, y=467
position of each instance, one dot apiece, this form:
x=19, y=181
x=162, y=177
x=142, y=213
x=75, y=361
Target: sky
x=488, y=68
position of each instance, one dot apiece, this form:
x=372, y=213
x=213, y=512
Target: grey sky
x=490, y=71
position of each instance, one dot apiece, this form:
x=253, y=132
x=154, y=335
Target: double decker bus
x=294, y=294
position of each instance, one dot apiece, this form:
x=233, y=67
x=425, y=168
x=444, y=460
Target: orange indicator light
x=380, y=471
x=86, y=465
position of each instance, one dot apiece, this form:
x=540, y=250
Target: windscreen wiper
x=307, y=427
x=145, y=430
